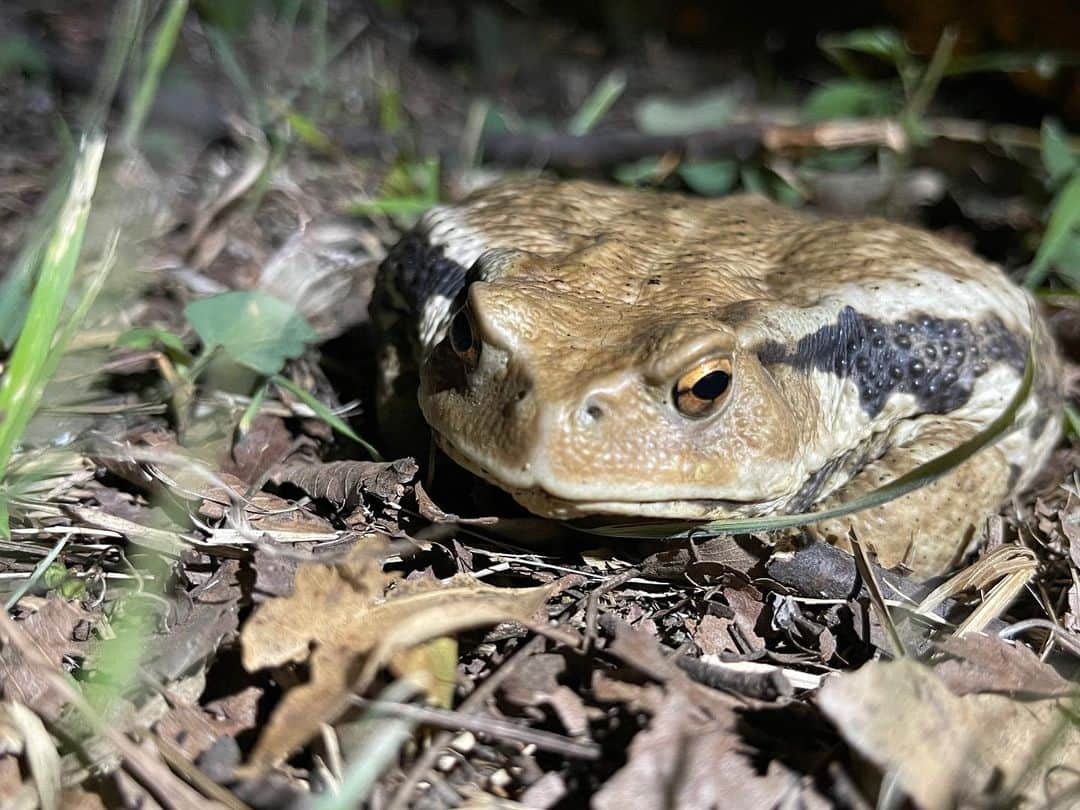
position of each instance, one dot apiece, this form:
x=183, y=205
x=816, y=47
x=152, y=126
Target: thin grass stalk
x=160, y=52
x=26, y=375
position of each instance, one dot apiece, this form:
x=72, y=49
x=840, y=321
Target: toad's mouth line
x=540, y=501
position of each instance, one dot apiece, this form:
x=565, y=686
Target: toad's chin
x=541, y=502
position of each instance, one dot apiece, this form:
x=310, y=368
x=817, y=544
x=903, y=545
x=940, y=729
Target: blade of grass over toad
x=324, y=413
x=160, y=52
x=605, y=94
x=27, y=373
x=919, y=477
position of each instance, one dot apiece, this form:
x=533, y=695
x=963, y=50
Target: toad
x=596, y=350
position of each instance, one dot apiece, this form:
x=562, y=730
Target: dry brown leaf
x=344, y=483
x=689, y=759
x=948, y=751
x=991, y=664
x=265, y=511
x=356, y=627
x=51, y=624
x=194, y=729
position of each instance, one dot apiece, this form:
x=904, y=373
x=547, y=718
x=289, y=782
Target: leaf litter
x=246, y=613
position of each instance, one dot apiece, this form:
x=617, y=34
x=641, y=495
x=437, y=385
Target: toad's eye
x=703, y=387
x=463, y=338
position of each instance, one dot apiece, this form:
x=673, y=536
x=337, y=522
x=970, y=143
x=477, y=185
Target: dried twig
x=490, y=726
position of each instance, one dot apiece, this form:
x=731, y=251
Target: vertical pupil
x=461, y=337
x=711, y=385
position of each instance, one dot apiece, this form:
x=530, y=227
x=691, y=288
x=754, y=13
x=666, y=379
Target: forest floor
x=218, y=594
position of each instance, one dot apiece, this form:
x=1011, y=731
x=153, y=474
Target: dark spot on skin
x=934, y=359
x=421, y=271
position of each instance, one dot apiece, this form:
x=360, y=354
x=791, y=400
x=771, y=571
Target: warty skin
x=552, y=333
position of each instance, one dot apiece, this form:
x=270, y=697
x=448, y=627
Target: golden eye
x=701, y=389
x=463, y=338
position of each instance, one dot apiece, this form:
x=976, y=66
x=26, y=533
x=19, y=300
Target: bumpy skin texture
x=857, y=349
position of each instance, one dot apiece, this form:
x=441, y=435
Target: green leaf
x=1068, y=261
x=1064, y=220
x=852, y=98
x=711, y=178
x=17, y=53
x=664, y=116
x=766, y=182
x=1057, y=155
x=1072, y=418
x=144, y=337
x=605, y=94
x=884, y=43
x=404, y=207
x=256, y=330
x=309, y=133
x=408, y=190
x=640, y=172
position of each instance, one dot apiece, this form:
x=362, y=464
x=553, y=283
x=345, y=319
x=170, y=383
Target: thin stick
x=490, y=726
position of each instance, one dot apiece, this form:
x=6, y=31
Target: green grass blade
x=18, y=285
x=919, y=477
x=596, y=106
x=160, y=52
x=1063, y=222
x=26, y=374
x=324, y=413
x=37, y=573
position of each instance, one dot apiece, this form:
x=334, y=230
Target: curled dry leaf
x=991, y=664
x=344, y=483
x=356, y=625
x=948, y=751
x=689, y=758
x=51, y=624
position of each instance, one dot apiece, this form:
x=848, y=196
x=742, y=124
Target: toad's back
x=598, y=350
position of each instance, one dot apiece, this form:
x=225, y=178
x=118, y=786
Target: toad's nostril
x=591, y=411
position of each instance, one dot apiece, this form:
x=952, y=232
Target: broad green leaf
x=640, y=172
x=852, y=98
x=1057, y=156
x=17, y=53
x=1064, y=220
x=665, y=116
x=254, y=329
x=711, y=178
x=1068, y=261
x=766, y=182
